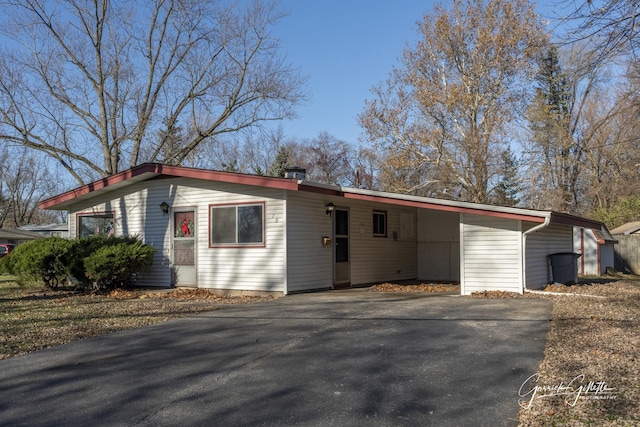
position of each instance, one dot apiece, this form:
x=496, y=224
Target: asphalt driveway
x=341, y=358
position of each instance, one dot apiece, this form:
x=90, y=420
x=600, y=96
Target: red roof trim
x=448, y=208
x=175, y=171
x=156, y=170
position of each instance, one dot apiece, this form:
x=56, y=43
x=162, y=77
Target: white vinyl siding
x=137, y=212
x=375, y=259
x=309, y=262
x=491, y=254
x=539, y=245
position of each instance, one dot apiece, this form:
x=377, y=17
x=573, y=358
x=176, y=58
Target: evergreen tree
x=280, y=163
x=231, y=166
x=506, y=192
x=555, y=152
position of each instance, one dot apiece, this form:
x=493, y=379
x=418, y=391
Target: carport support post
x=547, y=221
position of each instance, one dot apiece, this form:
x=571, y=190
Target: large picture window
x=237, y=225
x=95, y=225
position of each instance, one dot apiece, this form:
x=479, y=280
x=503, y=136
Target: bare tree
x=441, y=116
x=100, y=85
x=24, y=182
x=610, y=26
x=327, y=159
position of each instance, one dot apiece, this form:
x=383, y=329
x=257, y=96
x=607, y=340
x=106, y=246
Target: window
x=96, y=225
x=379, y=224
x=238, y=225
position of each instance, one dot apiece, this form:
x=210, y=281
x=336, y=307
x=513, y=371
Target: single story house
x=16, y=237
x=58, y=230
x=628, y=228
x=239, y=232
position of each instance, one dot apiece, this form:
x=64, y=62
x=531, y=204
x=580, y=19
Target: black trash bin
x=564, y=267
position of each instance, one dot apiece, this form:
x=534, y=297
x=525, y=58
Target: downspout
x=547, y=221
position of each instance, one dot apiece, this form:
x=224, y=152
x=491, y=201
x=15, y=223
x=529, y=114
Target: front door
x=184, y=248
x=342, y=275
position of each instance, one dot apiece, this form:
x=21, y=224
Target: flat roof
x=149, y=171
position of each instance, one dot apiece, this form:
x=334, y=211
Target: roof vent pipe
x=295, y=173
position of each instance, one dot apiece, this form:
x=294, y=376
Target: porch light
x=330, y=208
x=165, y=208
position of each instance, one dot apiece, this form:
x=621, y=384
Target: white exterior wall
x=137, y=212
x=376, y=259
x=309, y=262
x=438, y=241
x=539, y=245
x=491, y=253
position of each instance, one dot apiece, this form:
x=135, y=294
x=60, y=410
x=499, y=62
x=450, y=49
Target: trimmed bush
x=43, y=260
x=99, y=262
x=84, y=247
x=118, y=265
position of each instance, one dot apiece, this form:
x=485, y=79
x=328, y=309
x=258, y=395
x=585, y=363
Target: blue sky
x=345, y=48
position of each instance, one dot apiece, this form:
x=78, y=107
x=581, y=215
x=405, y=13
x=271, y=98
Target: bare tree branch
x=93, y=83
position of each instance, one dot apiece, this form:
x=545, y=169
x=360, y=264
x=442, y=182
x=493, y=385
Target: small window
x=96, y=225
x=379, y=224
x=238, y=225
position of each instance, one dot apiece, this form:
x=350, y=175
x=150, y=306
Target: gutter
x=545, y=224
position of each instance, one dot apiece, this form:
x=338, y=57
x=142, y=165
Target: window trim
x=254, y=245
x=385, y=215
x=102, y=214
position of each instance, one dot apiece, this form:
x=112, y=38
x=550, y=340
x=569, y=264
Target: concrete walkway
x=341, y=358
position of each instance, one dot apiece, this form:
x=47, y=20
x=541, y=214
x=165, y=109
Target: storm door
x=342, y=276
x=184, y=248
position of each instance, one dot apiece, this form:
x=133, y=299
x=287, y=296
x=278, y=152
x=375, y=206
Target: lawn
x=590, y=374
x=32, y=318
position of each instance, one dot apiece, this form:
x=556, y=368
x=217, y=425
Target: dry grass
x=33, y=319
x=590, y=340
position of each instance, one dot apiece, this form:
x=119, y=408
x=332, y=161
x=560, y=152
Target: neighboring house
x=239, y=232
x=596, y=248
x=57, y=230
x=627, y=229
x=17, y=236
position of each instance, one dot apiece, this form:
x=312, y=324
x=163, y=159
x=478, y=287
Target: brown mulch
x=414, y=287
x=189, y=294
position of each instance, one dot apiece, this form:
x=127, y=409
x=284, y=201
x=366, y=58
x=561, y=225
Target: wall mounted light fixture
x=330, y=208
x=165, y=208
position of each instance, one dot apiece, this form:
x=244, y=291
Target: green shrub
x=117, y=265
x=101, y=262
x=5, y=264
x=43, y=260
x=84, y=247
